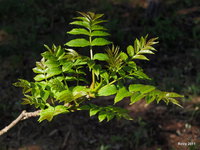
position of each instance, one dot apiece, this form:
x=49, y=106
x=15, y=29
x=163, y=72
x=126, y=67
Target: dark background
x=25, y=25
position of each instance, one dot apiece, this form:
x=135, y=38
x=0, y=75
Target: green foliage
x=61, y=67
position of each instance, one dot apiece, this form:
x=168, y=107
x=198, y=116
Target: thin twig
x=24, y=115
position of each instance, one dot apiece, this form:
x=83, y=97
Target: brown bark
x=24, y=115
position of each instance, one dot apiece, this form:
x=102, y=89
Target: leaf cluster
x=62, y=83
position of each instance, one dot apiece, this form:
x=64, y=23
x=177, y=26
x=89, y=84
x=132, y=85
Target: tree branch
x=24, y=115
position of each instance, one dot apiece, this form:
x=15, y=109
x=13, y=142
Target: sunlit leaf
x=130, y=50
x=65, y=96
x=142, y=57
x=81, y=23
x=100, y=56
x=53, y=71
x=99, y=33
x=100, y=42
x=47, y=114
x=78, y=31
x=78, y=43
x=123, y=56
x=136, y=97
x=59, y=109
x=121, y=93
x=107, y=90
x=39, y=77
x=97, y=27
x=172, y=94
x=102, y=116
x=94, y=111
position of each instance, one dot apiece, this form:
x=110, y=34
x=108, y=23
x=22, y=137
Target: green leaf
x=82, y=18
x=100, y=56
x=141, y=75
x=22, y=83
x=80, y=91
x=44, y=95
x=107, y=90
x=65, y=96
x=100, y=42
x=71, y=78
x=48, y=55
x=60, y=53
x=78, y=43
x=110, y=116
x=150, y=98
x=51, y=111
x=136, y=45
x=94, y=111
x=56, y=84
x=142, y=57
x=174, y=101
x=133, y=65
x=59, y=109
x=38, y=70
x=98, y=27
x=53, y=71
x=130, y=50
x=26, y=101
x=96, y=69
x=97, y=16
x=46, y=114
x=136, y=97
x=85, y=107
x=172, y=94
x=39, y=77
x=105, y=75
x=121, y=93
x=102, y=116
x=99, y=33
x=123, y=56
x=135, y=87
x=67, y=66
x=81, y=23
x=47, y=47
x=78, y=31
x=41, y=64
x=52, y=63
x=145, y=52
x=98, y=22
x=147, y=89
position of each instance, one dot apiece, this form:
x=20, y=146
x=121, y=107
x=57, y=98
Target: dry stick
x=24, y=115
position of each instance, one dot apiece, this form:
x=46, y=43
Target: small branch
x=24, y=115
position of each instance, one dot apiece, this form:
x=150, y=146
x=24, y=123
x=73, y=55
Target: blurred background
x=25, y=25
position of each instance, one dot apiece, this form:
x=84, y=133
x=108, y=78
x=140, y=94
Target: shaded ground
x=175, y=68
